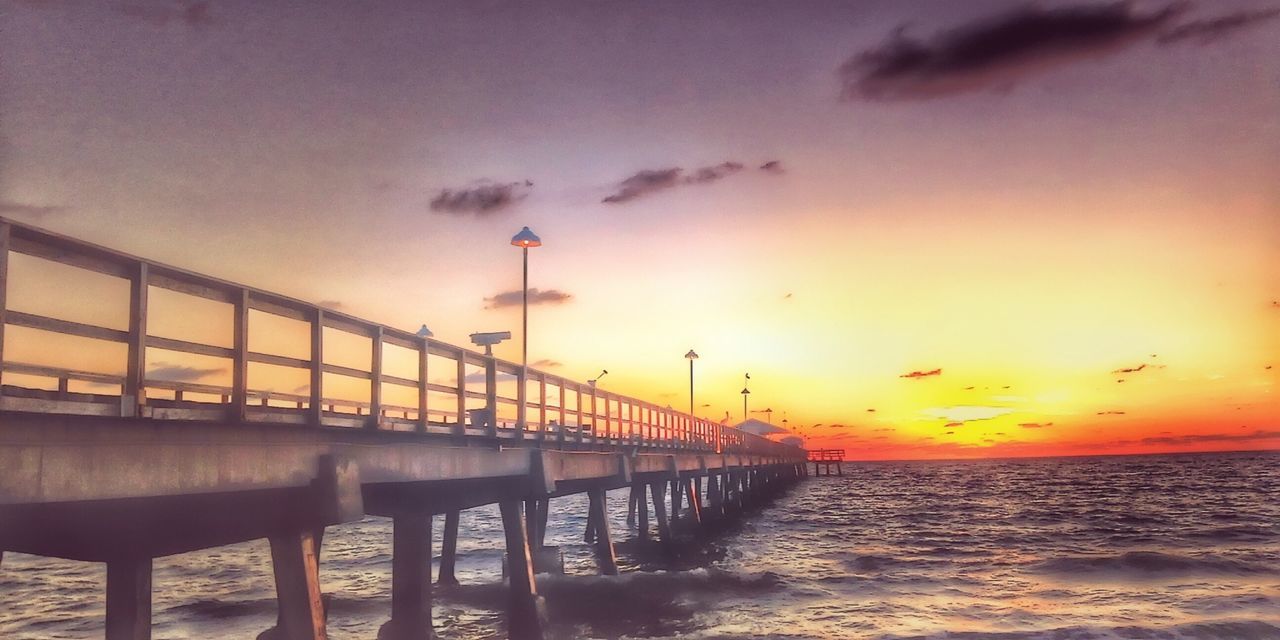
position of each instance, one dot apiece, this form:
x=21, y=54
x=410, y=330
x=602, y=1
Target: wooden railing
x=557, y=408
x=826, y=455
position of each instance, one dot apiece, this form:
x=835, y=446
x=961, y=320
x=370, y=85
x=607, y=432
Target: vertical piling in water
x=642, y=509
x=526, y=611
x=631, y=507
x=129, y=599
x=294, y=560
x=675, y=500
x=659, y=490
x=695, y=510
x=606, y=559
x=449, y=552
x=410, y=579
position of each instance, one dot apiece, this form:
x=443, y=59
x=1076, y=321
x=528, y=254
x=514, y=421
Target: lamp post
x=745, y=392
x=525, y=239
x=691, y=356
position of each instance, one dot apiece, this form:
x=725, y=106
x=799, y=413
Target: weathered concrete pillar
x=631, y=506
x=675, y=500
x=410, y=579
x=129, y=599
x=659, y=490
x=713, y=496
x=606, y=559
x=294, y=559
x=526, y=611
x=449, y=552
x=642, y=509
x=695, y=509
x=532, y=523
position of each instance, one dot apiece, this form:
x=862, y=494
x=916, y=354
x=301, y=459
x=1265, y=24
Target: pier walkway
x=123, y=465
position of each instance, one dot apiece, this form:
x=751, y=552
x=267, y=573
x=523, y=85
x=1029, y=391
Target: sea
x=1135, y=547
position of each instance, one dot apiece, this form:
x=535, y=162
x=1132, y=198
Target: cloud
x=953, y=424
x=922, y=374
x=1035, y=425
x=536, y=296
x=1131, y=369
x=8, y=208
x=650, y=181
x=1111, y=413
x=996, y=52
x=187, y=13
x=547, y=363
x=1213, y=29
x=482, y=199
x=1197, y=438
x=966, y=413
x=179, y=373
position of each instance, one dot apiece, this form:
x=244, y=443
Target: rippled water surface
x=1125, y=547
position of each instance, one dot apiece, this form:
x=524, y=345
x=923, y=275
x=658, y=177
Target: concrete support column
x=631, y=506
x=659, y=491
x=642, y=509
x=695, y=510
x=294, y=559
x=526, y=611
x=605, y=557
x=129, y=599
x=449, y=552
x=410, y=579
x=675, y=500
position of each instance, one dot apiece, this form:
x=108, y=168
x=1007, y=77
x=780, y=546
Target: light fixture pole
x=525, y=239
x=745, y=392
x=691, y=356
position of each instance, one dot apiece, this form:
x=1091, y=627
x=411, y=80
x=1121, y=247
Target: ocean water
x=1143, y=547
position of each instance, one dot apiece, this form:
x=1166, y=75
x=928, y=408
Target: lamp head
x=692, y=355
x=424, y=332
x=526, y=239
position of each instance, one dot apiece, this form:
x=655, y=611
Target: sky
x=926, y=229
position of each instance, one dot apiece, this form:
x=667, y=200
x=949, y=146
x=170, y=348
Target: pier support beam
x=294, y=558
x=659, y=491
x=410, y=579
x=129, y=599
x=642, y=511
x=632, y=498
x=526, y=611
x=695, y=510
x=449, y=552
x=675, y=500
x=605, y=557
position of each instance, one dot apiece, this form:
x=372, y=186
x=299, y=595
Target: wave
x=1144, y=564
x=1226, y=630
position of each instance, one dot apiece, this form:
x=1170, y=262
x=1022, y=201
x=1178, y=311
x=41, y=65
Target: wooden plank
x=316, y=401
x=397, y=380
x=240, y=357
x=136, y=370
x=283, y=307
x=279, y=361
x=68, y=254
x=403, y=339
x=5, y=241
x=375, y=379
x=67, y=327
x=346, y=371
x=348, y=324
x=54, y=372
x=173, y=280
x=184, y=346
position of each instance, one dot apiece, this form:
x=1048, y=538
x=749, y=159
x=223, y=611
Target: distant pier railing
x=471, y=395
x=824, y=459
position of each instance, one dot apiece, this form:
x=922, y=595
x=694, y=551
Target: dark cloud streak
x=1212, y=29
x=482, y=199
x=536, y=296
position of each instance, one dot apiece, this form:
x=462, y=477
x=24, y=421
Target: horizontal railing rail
x=556, y=407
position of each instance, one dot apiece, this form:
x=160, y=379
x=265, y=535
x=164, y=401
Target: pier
x=824, y=459
x=122, y=468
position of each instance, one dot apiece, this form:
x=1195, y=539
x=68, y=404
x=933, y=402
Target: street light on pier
x=525, y=239
x=603, y=373
x=745, y=392
x=691, y=356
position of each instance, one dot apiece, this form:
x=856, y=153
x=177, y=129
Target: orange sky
x=1028, y=230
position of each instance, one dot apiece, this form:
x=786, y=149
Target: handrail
x=605, y=414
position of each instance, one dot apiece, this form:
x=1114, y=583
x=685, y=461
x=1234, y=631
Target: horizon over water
x=1144, y=546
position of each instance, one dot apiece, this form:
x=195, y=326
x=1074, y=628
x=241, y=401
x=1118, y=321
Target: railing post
x=136, y=371
x=5, y=231
x=423, y=418
x=315, y=409
x=375, y=380
x=595, y=416
x=542, y=405
x=240, y=359
x=462, y=394
x=563, y=397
